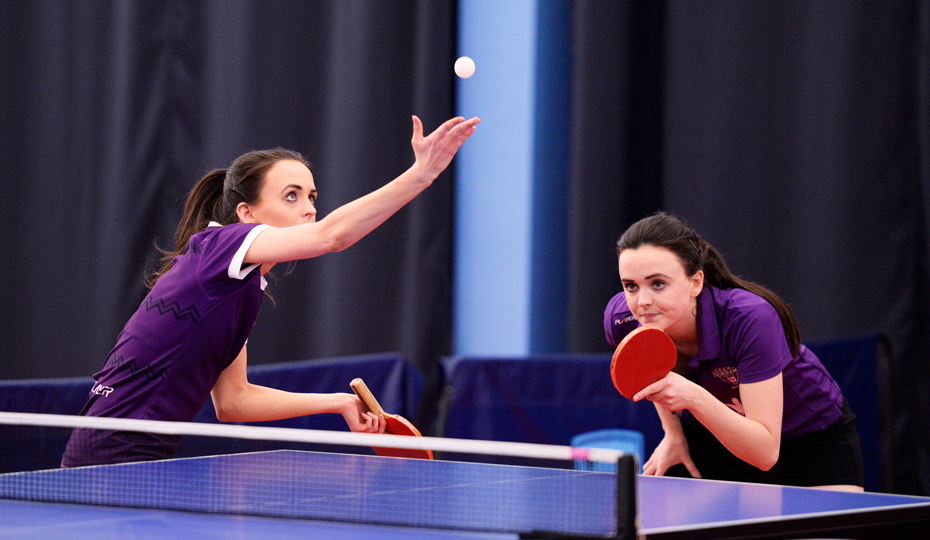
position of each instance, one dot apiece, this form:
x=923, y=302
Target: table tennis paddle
x=396, y=424
x=646, y=355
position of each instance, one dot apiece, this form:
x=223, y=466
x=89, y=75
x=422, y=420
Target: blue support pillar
x=512, y=179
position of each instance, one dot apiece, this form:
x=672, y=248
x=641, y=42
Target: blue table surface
x=367, y=496
x=27, y=520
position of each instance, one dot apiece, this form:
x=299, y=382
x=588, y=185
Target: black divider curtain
x=795, y=137
x=111, y=111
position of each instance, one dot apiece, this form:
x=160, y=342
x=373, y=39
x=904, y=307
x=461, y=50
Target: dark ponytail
x=673, y=233
x=217, y=196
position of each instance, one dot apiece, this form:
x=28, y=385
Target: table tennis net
x=323, y=475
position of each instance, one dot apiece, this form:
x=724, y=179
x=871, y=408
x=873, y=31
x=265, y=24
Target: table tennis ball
x=464, y=67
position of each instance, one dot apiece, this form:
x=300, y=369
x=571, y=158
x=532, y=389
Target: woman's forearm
x=253, y=403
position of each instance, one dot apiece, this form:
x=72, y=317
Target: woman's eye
x=291, y=197
x=313, y=200
x=630, y=287
x=658, y=285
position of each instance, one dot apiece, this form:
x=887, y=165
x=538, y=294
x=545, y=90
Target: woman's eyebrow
x=659, y=274
x=297, y=187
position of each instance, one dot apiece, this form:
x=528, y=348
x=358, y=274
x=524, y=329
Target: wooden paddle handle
x=361, y=390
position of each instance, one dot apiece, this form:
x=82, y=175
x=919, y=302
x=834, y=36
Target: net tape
x=496, y=448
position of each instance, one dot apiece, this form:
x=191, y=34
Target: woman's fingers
x=692, y=468
x=417, y=129
x=449, y=124
x=649, y=468
x=374, y=423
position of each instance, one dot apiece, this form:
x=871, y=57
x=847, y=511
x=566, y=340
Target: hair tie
x=230, y=186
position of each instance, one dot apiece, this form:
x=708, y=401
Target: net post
x=626, y=497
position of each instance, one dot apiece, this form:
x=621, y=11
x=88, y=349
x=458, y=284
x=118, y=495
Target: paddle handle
x=361, y=390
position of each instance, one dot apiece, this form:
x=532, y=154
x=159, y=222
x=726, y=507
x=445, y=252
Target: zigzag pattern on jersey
x=172, y=307
x=121, y=364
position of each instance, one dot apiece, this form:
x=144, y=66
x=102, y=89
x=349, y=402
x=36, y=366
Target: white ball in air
x=464, y=67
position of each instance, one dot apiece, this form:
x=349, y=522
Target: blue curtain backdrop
x=794, y=135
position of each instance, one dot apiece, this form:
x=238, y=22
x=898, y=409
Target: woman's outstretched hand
x=435, y=151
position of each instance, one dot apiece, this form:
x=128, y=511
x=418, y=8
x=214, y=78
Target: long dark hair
x=674, y=234
x=217, y=196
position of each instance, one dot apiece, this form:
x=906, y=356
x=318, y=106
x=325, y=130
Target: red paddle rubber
x=645, y=356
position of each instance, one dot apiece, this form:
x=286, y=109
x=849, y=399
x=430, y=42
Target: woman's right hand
x=359, y=418
x=671, y=451
x=435, y=151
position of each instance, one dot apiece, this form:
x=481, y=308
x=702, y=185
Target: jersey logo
x=726, y=374
x=101, y=390
x=628, y=318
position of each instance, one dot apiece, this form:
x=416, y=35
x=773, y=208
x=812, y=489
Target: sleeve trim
x=235, y=270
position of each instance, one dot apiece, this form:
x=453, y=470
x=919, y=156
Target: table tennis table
x=333, y=496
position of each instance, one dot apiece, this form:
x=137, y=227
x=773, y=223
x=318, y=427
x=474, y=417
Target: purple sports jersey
x=741, y=340
x=190, y=327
